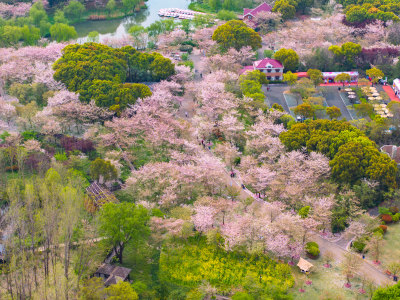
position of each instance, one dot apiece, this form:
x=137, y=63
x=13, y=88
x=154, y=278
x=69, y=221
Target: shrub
x=394, y=210
x=303, y=212
x=378, y=230
x=185, y=56
x=29, y=135
x=384, y=228
x=276, y=106
x=312, y=244
x=60, y=156
x=187, y=63
x=190, y=42
x=396, y=217
x=338, y=224
x=312, y=249
x=4, y=135
x=186, y=48
x=387, y=218
x=359, y=246
x=237, y=161
x=384, y=211
x=268, y=53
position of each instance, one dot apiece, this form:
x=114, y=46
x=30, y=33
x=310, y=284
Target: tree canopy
x=353, y=155
x=288, y=57
x=91, y=69
x=121, y=223
x=236, y=34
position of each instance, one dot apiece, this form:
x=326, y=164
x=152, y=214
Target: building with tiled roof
x=112, y=274
x=272, y=68
x=249, y=15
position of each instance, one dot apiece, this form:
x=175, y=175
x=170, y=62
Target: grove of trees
x=104, y=74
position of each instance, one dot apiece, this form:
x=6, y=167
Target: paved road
x=275, y=95
x=333, y=99
x=366, y=268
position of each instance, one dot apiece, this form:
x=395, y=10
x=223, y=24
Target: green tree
x=93, y=37
x=59, y=17
x=387, y=293
x=129, y=5
x=93, y=289
x=288, y=57
x=364, y=110
x=347, y=52
x=121, y=223
x=82, y=66
x=306, y=110
x=333, y=112
x=37, y=14
x=137, y=32
x=186, y=26
x=356, y=14
x=10, y=35
x=236, y=34
x=121, y=291
x=304, y=211
x=102, y=169
x=30, y=34
x=110, y=7
x=74, y=10
x=286, y=8
x=342, y=77
x=355, y=161
x=315, y=76
x=290, y=78
x=201, y=21
x=375, y=74
x=62, y=32
x=226, y=15
x=161, y=68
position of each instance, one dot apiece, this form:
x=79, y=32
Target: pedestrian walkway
x=388, y=89
x=341, y=84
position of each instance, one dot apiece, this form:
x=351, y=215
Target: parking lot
x=331, y=94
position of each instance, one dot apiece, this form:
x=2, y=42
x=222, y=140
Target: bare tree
x=375, y=245
x=350, y=265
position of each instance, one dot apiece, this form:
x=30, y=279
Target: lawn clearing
x=327, y=283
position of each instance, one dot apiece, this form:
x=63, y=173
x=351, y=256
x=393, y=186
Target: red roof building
x=249, y=15
x=271, y=67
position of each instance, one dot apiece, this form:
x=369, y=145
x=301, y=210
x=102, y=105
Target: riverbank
x=102, y=14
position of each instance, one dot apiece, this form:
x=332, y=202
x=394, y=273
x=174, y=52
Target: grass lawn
x=391, y=249
x=327, y=283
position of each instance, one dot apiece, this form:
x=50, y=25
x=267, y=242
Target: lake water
x=119, y=27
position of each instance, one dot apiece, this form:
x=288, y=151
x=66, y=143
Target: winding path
x=366, y=269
